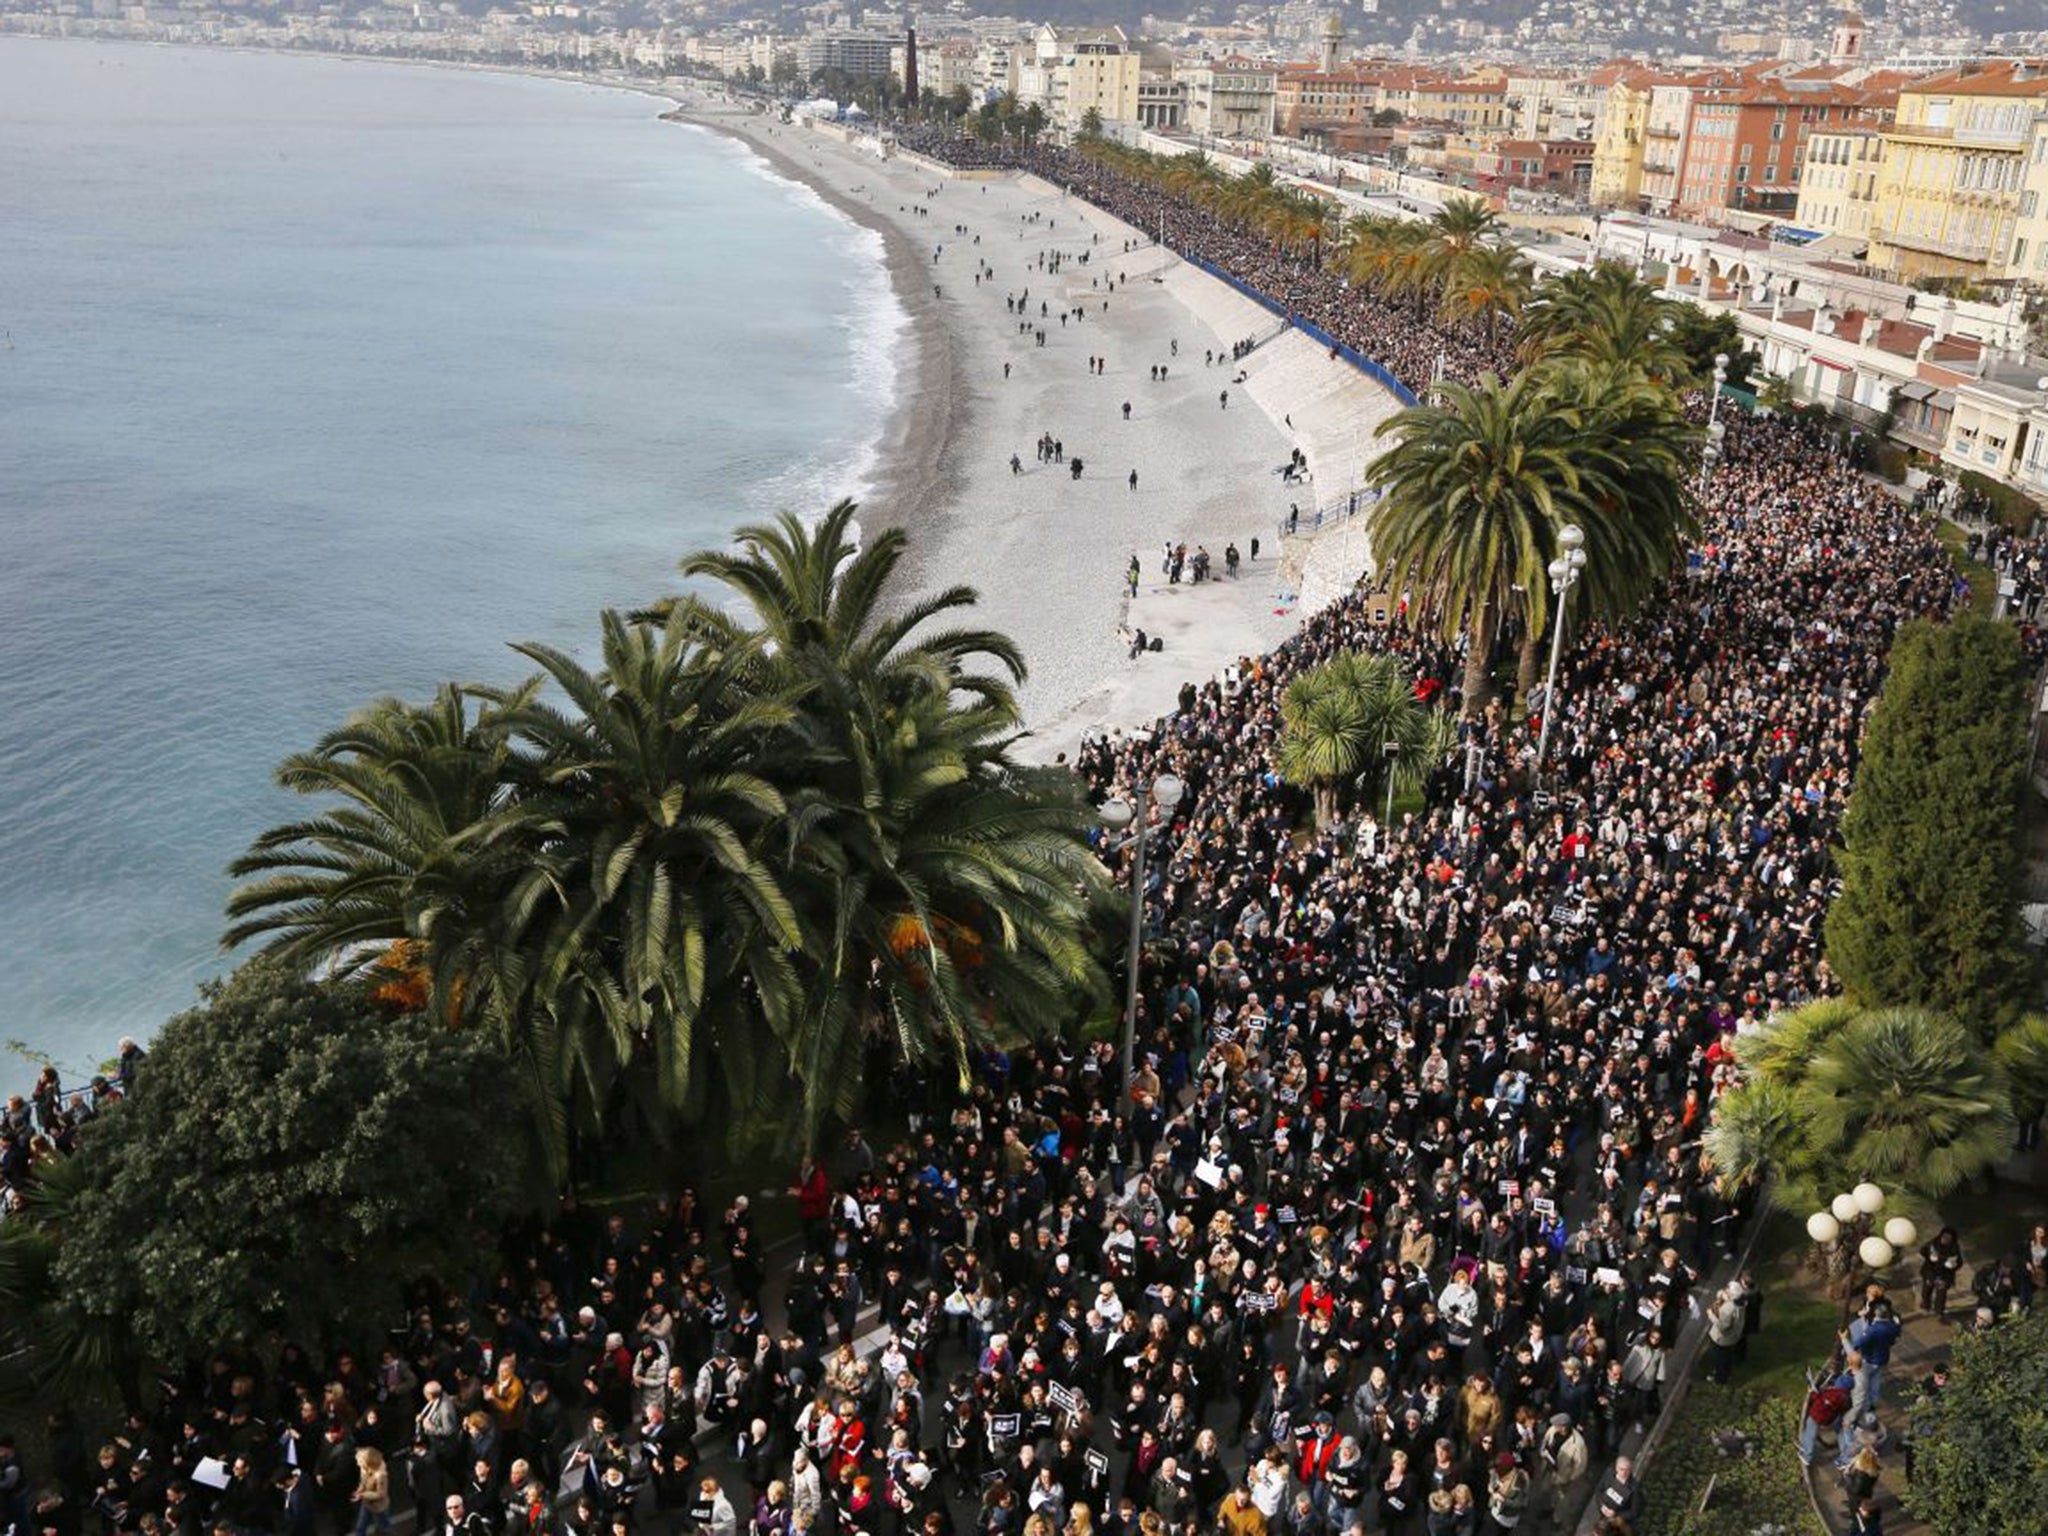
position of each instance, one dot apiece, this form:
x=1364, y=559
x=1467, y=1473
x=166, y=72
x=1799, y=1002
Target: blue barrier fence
x=1356, y=359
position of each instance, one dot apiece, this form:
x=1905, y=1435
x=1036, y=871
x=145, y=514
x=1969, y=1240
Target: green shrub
x=1888, y=460
x=1981, y=1462
x=2010, y=508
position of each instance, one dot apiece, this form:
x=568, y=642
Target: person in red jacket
x=813, y=1203
x=1318, y=1450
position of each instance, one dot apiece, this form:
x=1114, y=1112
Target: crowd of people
x=1405, y=340
x=1392, y=1229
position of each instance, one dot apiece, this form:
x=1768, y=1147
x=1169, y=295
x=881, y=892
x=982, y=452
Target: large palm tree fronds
x=938, y=885
x=422, y=845
x=1755, y=1131
x=1910, y=1100
x=1605, y=315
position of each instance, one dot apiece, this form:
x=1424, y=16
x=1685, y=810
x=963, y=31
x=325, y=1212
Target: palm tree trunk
x=1326, y=805
x=1525, y=666
x=1478, y=655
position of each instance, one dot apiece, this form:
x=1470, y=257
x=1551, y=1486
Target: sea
x=323, y=380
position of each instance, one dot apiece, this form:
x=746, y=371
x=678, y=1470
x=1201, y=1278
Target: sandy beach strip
x=1048, y=552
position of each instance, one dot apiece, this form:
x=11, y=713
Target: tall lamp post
x=1564, y=575
x=1712, y=451
x=1164, y=792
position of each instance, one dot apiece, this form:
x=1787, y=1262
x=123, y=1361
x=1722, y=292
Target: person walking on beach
x=1016, y=465
x=1134, y=479
x=1131, y=574
x=1224, y=400
x=1006, y=370
x=1127, y=410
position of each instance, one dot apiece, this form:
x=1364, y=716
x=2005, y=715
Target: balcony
x=1659, y=168
x=1955, y=248
x=1996, y=138
x=1661, y=131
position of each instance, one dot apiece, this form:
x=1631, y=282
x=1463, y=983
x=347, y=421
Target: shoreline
x=1049, y=566
x=928, y=413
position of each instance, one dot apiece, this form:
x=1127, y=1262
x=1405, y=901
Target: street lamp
x=1712, y=451
x=1164, y=792
x=1564, y=575
x=1845, y=1231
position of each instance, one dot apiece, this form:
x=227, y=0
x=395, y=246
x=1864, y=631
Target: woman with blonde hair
x=1080, y=1522
x=373, y=1492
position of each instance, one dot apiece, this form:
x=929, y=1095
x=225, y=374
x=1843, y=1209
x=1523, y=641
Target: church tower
x=1846, y=47
x=1333, y=41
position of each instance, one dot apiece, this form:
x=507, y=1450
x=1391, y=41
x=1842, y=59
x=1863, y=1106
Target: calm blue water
x=327, y=380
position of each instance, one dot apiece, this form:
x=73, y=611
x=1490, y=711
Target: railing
x=1340, y=509
x=1960, y=250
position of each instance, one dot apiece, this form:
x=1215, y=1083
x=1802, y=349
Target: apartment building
x=1954, y=170
x=2029, y=258
x=1231, y=97
x=1747, y=147
x=1838, y=182
x=1620, y=148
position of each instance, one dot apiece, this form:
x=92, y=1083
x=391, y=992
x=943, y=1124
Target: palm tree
x=1461, y=228
x=1485, y=284
x=1607, y=317
x=1633, y=503
x=1475, y=487
x=412, y=868
x=658, y=934
x=943, y=888
x=1350, y=722
x=1833, y=1093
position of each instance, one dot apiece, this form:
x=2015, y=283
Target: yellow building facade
x=1949, y=189
x=1838, y=182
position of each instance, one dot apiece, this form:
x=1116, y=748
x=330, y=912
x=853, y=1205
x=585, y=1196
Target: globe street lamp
x=1164, y=792
x=1712, y=451
x=1564, y=575
x=1846, y=1234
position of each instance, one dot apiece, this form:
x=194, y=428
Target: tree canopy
x=1832, y=1093
x=1980, y=1464
x=293, y=1155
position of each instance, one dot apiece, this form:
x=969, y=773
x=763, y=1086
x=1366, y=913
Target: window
x=1777, y=132
x=1770, y=173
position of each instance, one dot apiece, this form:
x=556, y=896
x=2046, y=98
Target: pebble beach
x=1046, y=551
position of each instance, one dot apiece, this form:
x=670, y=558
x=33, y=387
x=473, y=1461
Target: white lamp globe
x=1874, y=1251
x=1868, y=1197
x=1822, y=1227
x=1901, y=1233
x=1844, y=1207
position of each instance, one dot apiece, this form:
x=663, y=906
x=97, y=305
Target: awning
x=1944, y=400
x=1915, y=391
x=1827, y=362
